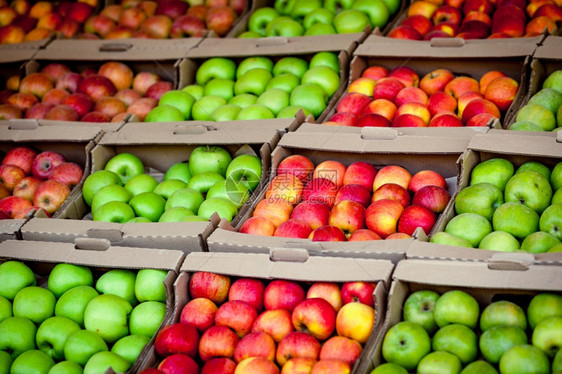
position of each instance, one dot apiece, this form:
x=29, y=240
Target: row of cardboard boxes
x=528, y=61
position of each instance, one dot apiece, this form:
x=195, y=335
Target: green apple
x=141, y=183
x=503, y=313
x=34, y=303
x=284, y=6
x=557, y=362
x=469, y=226
x=204, y=181
x=275, y=99
x=495, y=170
x=120, y=282
x=52, y=335
x=260, y=18
x=537, y=114
x=539, y=242
x=329, y=59
x=164, y=113
x=5, y=308
x=517, y=219
x=456, y=306
x=290, y=64
x=167, y=187
x=65, y=276
x=100, y=362
x=525, y=126
x=194, y=90
x=108, y=316
x=17, y=335
x=194, y=219
x=499, y=241
x=149, y=205
x=457, y=339
x=209, y=159
x=303, y=7
x=228, y=189
x=126, y=165
x=319, y=15
x=439, y=362
x=139, y=220
x=558, y=119
x=150, y=285
x=249, y=35
x=376, y=10
x=175, y=214
x=338, y=5
x=498, y=339
x=82, y=345
x=253, y=62
x=554, y=81
x=146, y=318
x=542, y=306
x=112, y=192
x=114, y=211
x=205, y=106
x=179, y=170
x=243, y=100
x=530, y=188
x=551, y=220
x=14, y=276
x=557, y=197
x=389, y=368
x=320, y=29
x=556, y=176
x=227, y=112
x=291, y=111
x=246, y=169
x=535, y=166
x=220, y=87
x=419, y=307
x=351, y=21
x=255, y=111
x=479, y=367
x=547, y=335
x=445, y=238
x=5, y=362
x=95, y=181
x=33, y=361
x=524, y=359
x=215, y=67
x=130, y=347
x=179, y=99
x=324, y=77
x=253, y=81
x=284, y=26
x=224, y=208
x=187, y=198
x=73, y=303
x=405, y=344
x=547, y=97
x=66, y=367
x=481, y=198
x=555, y=248
x=286, y=82
x=311, y=97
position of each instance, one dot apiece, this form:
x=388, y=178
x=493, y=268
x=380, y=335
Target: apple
x=217, y=341
x=537, y=198
x=347, y=215
x=415, y=216
x=219, y=365
x=34, y=303
x=542, y=306
x=354, y=192
x=392, y=191
x=21, y=157
x=405, y=344
x=310, y=97
x=72, y=303
x=177, y=338
x=104, y=360
x=539, y=242
x=149, y=285
x=389, y=367
x=108, y=315
x=256, y=344
x=482, y=198
x=130, y=347
x=17, y=335
x=52, y=334
x=457, y=339
x=114, y=211
x=382, y=216
x=516, y=219
x=439, y=360
x=149, y=205
x=237, y=315
x=209, y=285
x=456, y=306
x=499, y=241
x=120, y=282
x=199, y=312
x=433, y=198
x=355, y=320
x=297, y=344
x=321, y=190
x=32, y=360
x=50, y=195
x=275, y=322
x=315, y=316
x=64, y=277
x=283, y=294
x=524, y=358
x=341, y=348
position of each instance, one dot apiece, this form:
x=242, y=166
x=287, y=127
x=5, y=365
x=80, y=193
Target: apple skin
x=256, y=344
x=392, y=174
x=297, y=344
x=250, y=290
x=297, y=165
x=347, y=215
x=311, y=213
x=177, y=338
x=341, y=348
x=209, y=285
x=20, y=156
x=392, y=191
x=469, y=226
x=405, y=344
x=293, y=228
x=546, y=335
x=503, y=313
x=44, y=163
x=382, y=216
x=217, y=341
x=439, y=360
x=419, y=308
x=275, y=212
x=530, y=188
x=433, y=198
x=542, y=306
x=50, y=195
x=178, y=363
x=315, y=316
x=107, y=315
x=524, y=358
x=285, y=187
x=517, y=219
x=283, y=294
x=328, y=233
x=218, y=365
x=321, y=190
x=17, y=335
x=456, y=306
x=457, y=339
x=237, y=315
x=276, y=322
x=199, y=312
x=355, y=320
x=481, y=198
x=329, y=291
x=416, y=216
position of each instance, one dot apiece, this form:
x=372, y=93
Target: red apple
x=360, y=172
x=79, y=12
x=141, y=107
x=312, y=213
x=406, y=75
x=157, y=26
x=81, y=103
x=426, y=178
x=50, y=195
x=382, y=216
x=363, y=235
x=178, y=364
x=348, y=215
x=383, y=107
x=445, y=120
x=118, y=73
x=315, y=316
x=62, y=113
x=177, y=338
x=392, y=174
x=249, y=290
x=341, y=348
x=45, y=162
x=392, y=191
x=131, y=18
x=210, y=285
x=96, y=86
x=405, y=32
x=344, y=119
x=55, y=96
x=410, y=94
x=188, y=25
x=255, y=344
x=68, y=28
x=275, y=322
x=372, y=120
x=275, y=211
x=328, y=233
x=21, y=157
x=298, y=165
x=416, y=216
x=257, y=365
x=218, y=365
x=433, y=198
x=375, y=72
x=217, y=341
x=127, y=96
x=220, y=19
x=12, y=204
x=158, y=89
x=329, y=291
x=481, y=120
x=298, y=365
x=441, y=102
x=8, y=112
x=354, y=192
x=22, y=101
x=502, y=91
x=283, y=294
x=237, y=315
x=69, y=173
x=320, y=190
x=199, y=312
x=387, y=88
x=421, y=23
x=479, y=106
x=358, y=291
x=297, y=344
x=143, y=80
x=459, y=85
x=353, y=102
x=69, y=82
x=100, y=25
x=97, y=117
x=110, y=106
x=293, y=228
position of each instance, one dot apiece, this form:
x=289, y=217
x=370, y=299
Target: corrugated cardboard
x=21, y=51
x=159, y=145
x=487, y=282
x=514, y=146
x=100, y=256
x=409, y=148
x=286, y=264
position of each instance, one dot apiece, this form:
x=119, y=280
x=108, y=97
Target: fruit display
x=211, y=181
x=290, y=18
x=543, y=111
x=106, y=93
x=402, y=97
x=255, y=87
x=477, y=19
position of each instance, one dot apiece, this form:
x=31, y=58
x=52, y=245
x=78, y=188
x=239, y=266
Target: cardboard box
x=292, y=265
x=487, y=282
x=21, y=51
x=407, y=148
x=514, y=146
x=100, y=257
x=159, y=146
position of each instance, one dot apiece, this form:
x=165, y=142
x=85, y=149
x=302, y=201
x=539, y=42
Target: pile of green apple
x=212, y=181
x=290, y=18
x=543, y=111
x=447, y=334
x=256, y=87
x=508, y=209
x=80, y=321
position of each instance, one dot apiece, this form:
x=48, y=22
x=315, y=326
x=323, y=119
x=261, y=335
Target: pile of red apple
x=80, y=320
x=249, y=325
x=400, y=98
x=32, y=180
x=449, y=333
x=107, y=94
x=335, y=202
x=478, y=19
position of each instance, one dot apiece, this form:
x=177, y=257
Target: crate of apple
x=334, y=202
x=212, y=181
x=399, y=97
x=290, y=18
x=477, y=19
x=449, y=331
x=32, y=180
x=106, y=94
x=251, y=325
x=543, y=111
x=256, y=87
x=508, y=208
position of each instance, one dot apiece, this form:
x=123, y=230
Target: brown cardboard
x=286, y=264
x=21, y=51
x=42, y=256
x=159, y=146
x=485, y=281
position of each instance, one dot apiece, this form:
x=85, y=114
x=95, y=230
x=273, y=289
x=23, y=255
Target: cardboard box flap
x=8, y=55
x=550, y=48
x=31, y=130
x=95, y=255
x=515, y=142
